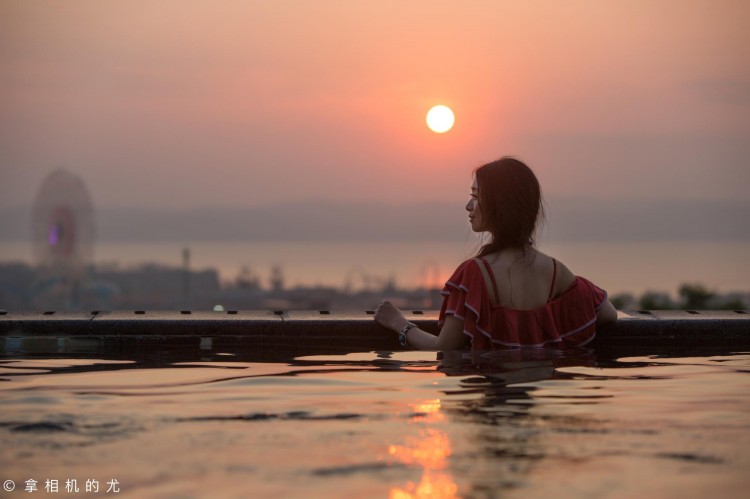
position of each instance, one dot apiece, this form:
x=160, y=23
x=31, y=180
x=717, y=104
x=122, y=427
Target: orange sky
x=239, y=103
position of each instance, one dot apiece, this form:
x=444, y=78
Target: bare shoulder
x=564, y=277
x=563, y=272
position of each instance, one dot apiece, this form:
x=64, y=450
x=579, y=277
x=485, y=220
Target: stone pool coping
x=122, y=330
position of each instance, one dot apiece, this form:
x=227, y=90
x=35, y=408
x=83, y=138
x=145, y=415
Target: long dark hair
x=511, y=202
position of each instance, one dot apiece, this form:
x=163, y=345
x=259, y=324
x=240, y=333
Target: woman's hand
x=389, y=316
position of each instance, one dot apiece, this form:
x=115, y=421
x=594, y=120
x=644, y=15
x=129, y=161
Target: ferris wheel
x=63, y=222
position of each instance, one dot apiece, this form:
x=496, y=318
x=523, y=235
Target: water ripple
x=264, y=416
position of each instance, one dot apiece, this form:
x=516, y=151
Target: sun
x=440, y=118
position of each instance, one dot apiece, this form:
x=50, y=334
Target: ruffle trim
x=559, y=339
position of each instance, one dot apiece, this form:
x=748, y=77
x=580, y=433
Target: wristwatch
x=402, y=335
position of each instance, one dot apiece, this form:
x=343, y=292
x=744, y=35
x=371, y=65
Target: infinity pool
x=378, y=424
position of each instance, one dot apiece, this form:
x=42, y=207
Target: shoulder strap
x=554, y=277
x=489, y=279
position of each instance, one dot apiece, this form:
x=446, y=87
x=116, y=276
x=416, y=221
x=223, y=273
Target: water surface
x=381, y=424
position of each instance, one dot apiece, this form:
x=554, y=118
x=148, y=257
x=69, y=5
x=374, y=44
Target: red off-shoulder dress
x=566, y=320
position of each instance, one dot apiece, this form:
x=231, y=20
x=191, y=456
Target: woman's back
x=526, y=280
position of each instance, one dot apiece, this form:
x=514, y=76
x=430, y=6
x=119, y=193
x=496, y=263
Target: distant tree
x=732, y=304
x=695, y=296
x=652, y=300
x=623, y=301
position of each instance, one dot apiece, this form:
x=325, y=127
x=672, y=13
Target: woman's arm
x=606, y=314
x=451, y=335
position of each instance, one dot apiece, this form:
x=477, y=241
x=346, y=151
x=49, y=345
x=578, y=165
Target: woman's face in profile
x=475, y=212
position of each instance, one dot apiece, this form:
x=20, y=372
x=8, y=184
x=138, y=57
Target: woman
x=511, y=295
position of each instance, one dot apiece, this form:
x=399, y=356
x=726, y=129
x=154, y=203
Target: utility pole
x=186, y=277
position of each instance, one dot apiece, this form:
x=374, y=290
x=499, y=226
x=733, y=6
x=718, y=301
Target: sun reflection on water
x=428, y=412
x=430, y=450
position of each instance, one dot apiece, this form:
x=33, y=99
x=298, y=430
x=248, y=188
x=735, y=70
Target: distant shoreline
x=633, y=267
